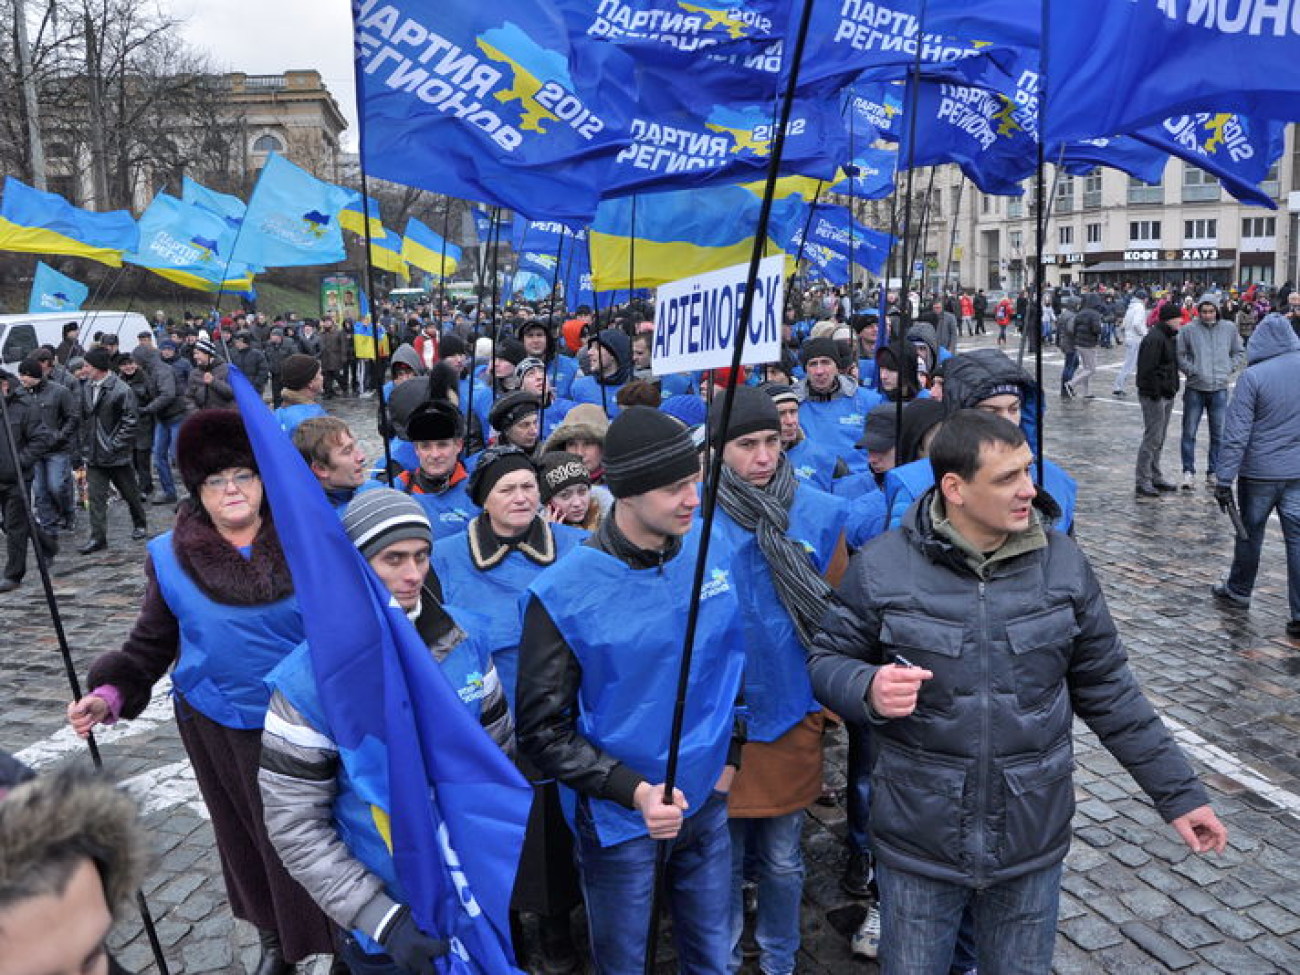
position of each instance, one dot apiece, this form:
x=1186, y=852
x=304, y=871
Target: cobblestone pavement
x=1134, y=899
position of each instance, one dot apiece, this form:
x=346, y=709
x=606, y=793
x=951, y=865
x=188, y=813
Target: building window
x=1092, y=189
x=986, y=204
x=1015, y=207
x=1198, y=185
x=1144, y=232
x=1140, y=192
x=1269, y=184
x=1065, y=194
x=1015, y=238
x=1201, y=230
x=1065, y=236
x=1259, y=226
x=268, y=143
x=1093, y=233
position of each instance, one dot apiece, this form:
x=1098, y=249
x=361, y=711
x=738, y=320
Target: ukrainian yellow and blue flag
x=36, y=222
x=426, y=249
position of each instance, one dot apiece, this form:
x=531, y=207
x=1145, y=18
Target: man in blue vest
x=834, y=406
x=782, y=536
x=440, y=483
x=318, y=798
x=596, y=694
x=334, y=456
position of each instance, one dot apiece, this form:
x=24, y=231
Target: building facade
x=1108, y=228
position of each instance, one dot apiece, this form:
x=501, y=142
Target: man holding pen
x=969, y=639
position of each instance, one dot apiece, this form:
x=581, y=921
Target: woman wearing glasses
x=219, y=609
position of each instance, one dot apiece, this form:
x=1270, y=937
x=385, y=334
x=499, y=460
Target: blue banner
x=292, y=219
x=700, y=122
x=1236, y=149
x=1121, y=152
x=831, y=226
x=230, y=208
x=873, y=110
x=52, y=291
x=870, y=176
x=967, y=41
x=987, y=134
x=490, y=102
x=179, y=236
x=1119, y=66
x=457, y=806
x=686, y=25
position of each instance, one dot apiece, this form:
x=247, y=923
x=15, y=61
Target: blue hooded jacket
x=1261, y=433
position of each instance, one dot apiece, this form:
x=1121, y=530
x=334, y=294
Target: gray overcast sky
x=273, y=36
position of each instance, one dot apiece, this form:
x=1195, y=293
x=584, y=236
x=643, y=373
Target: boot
x=339, y=967
x=272, y=961
x=555, y=937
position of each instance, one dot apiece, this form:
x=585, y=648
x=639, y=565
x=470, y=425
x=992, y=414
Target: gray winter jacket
x=975, y=787
x=298, y=782
x=1261, y=434
x=1209, y=355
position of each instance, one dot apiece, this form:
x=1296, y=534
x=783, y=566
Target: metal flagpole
x=715, y=471
x=65, y=651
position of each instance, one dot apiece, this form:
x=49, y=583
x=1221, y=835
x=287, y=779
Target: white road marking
x=1225, y=763
x=65, y=741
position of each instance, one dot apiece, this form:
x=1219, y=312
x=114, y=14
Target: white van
x=21, y=335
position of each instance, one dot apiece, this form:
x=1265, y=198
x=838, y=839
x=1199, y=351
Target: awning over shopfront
x=1113, y=267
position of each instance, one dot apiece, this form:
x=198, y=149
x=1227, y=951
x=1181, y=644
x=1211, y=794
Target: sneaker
x=866, y=940
x=1144, y=491
x=1164, y=486
x=1118, y=392
x=1221, y=592
x=1189, y=480
x=1069, y=390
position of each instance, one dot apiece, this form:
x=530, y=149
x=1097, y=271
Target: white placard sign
x=696, y=318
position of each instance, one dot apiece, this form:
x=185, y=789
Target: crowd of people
x=887, y=553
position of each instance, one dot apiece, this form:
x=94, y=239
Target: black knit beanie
x=821, y=348
x=494, y=464
x=646, y=449
x=751, y=411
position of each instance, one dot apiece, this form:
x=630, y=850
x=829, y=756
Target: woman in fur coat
x=219, y=610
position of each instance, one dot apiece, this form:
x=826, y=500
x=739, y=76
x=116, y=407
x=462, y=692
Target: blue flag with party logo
x=292, y=218
x=1122, y=152
x=987, y=134
x=457, y=806
x=495, y=102
x=1119, y=65
x=229, y=208
x=700, y=122
x=1235, y=148
x=873, y=110
x=869, y=175
x=52, y=291
x=686, y=25
x=179, y=236
x=832, y=227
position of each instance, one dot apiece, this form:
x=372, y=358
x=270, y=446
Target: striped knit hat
x=380, y=517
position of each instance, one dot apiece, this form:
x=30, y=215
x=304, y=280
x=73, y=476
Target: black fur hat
x=210, y=441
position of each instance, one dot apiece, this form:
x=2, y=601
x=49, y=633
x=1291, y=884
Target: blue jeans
x=1069, y=368
x=1015, y=923
x=1257, y=500
x=164, y=452
x=779, y=865
x=1196, y=402
x=858, y=791
x=617, y=884
x=56, y=497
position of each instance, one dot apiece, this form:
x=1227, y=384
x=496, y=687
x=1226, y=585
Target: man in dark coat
x=55, y=494
x=1157, y=384
x=110, y=418
x=972, y=712
x=33, y=440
